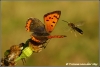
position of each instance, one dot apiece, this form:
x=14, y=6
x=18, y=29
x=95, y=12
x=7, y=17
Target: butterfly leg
x=23, y=60
x=44, y=46
x=46, y=43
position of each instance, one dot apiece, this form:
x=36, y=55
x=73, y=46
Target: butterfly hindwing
x=51, y=19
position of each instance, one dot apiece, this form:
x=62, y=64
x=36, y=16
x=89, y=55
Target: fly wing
x=81, y=23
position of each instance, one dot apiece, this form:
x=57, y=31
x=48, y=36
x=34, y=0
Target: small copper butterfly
x=41, y=32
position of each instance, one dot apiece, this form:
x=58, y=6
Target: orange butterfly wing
x=51, y=19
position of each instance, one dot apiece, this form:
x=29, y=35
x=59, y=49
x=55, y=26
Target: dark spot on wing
x=52, y=25
x=56, y=17
x=49, y=17
x=53, y=22
x=47, y=20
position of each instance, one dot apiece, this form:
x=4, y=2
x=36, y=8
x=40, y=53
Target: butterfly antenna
x=65, y=21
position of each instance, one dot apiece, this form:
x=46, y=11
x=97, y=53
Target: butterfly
x=74, y=27
x=41, y=32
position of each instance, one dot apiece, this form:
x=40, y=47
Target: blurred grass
x=80, y=49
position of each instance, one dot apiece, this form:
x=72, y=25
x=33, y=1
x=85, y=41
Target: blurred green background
x=80, y=49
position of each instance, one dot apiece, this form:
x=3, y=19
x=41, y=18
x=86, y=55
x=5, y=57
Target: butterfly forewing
x=51, y=19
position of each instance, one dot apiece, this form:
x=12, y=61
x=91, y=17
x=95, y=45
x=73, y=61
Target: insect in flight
x=74, y=27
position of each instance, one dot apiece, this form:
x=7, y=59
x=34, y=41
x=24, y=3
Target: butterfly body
x=43, y=39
